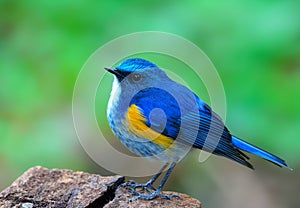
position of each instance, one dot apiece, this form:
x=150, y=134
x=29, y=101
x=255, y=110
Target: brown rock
x=124, y=198
x=41, y=187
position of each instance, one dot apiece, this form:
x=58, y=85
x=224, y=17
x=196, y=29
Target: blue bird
x=158, y=118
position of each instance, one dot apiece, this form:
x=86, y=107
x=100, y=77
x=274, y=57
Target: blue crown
x=133, y=64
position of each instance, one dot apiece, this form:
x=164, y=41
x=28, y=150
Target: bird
x=160, y=119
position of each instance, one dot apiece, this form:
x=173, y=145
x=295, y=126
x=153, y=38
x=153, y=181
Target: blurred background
x=255, y=46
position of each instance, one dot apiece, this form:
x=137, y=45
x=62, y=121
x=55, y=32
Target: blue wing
x=211, y=136
x=166, y=120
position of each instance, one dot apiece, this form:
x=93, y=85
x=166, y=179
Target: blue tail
x=242, y=145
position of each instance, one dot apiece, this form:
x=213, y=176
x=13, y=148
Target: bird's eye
x=136, y=77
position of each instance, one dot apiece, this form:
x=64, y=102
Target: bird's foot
x=151, y=192
x=131, y=184
x=153, y=195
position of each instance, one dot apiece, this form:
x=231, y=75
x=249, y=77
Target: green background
x=254, y=45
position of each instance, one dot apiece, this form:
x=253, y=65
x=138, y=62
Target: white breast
x=114, y=96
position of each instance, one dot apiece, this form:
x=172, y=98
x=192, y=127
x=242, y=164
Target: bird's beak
x=110, y=70
x=113, y=71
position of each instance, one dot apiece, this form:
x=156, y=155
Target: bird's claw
x=169, y=197
x=148, y=187
x=154, y=195
x=134, y=185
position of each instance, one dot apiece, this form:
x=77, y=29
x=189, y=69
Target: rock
x=124, y=198
x=41, y=187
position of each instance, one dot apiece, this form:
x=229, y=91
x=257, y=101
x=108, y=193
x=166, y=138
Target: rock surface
x=41, y=187
x=124, y=198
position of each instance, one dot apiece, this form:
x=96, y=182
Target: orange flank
x=137, y=124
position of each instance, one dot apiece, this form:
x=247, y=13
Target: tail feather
x=237, y=158
x=242, y=145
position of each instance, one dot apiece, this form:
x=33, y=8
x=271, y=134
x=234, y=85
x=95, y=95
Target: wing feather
x=203, y=129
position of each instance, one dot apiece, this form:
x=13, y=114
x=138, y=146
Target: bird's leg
x=157, y=191
x=154, y=178
x=149, y=185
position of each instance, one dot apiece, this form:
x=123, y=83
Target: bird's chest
x=115, y=110
x=116, y=113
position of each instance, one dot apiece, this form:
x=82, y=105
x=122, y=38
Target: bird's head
x=138, y=72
